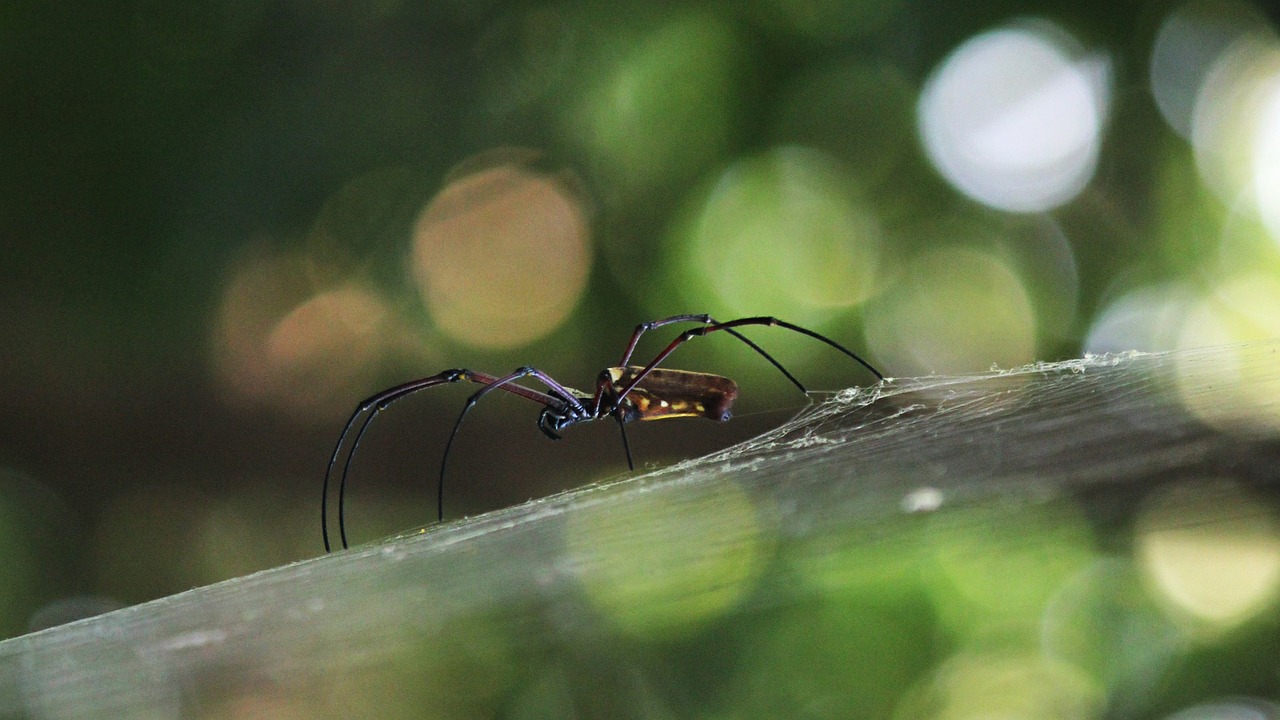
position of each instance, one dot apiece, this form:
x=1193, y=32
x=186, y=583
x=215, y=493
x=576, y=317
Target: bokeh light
x=784, y=233
x=660, y=103
x=1103, y=621
x=280, y=344
x=1014, y=118
x=953, y=310
x=1007, y=685
x=1266, y=160
x=974, y=554
x=1230, y=110
x=1188, y=43
x=652, y=580
x=1211, y=552
x=1238, y=309
x=502, y=253
x=1147, y=318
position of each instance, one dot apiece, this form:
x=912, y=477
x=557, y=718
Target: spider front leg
x=775, y=322
x=642, y=328
x=713, y=326
x=705, y=320
x=562, y=407
x=368, y=409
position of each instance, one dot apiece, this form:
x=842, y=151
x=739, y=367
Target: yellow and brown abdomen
x=667, y=393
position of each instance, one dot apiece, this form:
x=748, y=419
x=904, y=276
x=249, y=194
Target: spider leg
x=626, y=446
x=728, y=327
x=705, y=320
x=775, y=322
x=561, y=397
x=370, y=407
x=642, y=328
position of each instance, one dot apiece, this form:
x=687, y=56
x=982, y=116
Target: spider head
x=552, y=420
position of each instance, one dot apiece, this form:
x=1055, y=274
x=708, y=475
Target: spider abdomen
x=665, y=393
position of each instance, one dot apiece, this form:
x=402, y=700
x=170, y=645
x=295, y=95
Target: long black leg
x=705, y=320
x=370, y=407
x=563, y=396
x=729, y=326
x=626, y=445
x=642, y=328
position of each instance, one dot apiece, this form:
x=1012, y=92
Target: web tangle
x=1106, y=427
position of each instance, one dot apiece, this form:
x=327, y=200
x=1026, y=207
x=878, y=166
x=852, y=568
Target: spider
x=624, y=392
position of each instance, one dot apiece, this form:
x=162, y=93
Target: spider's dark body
x=624, y=392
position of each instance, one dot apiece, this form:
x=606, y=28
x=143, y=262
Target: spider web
x=1115, y=423
x=1102, y=430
